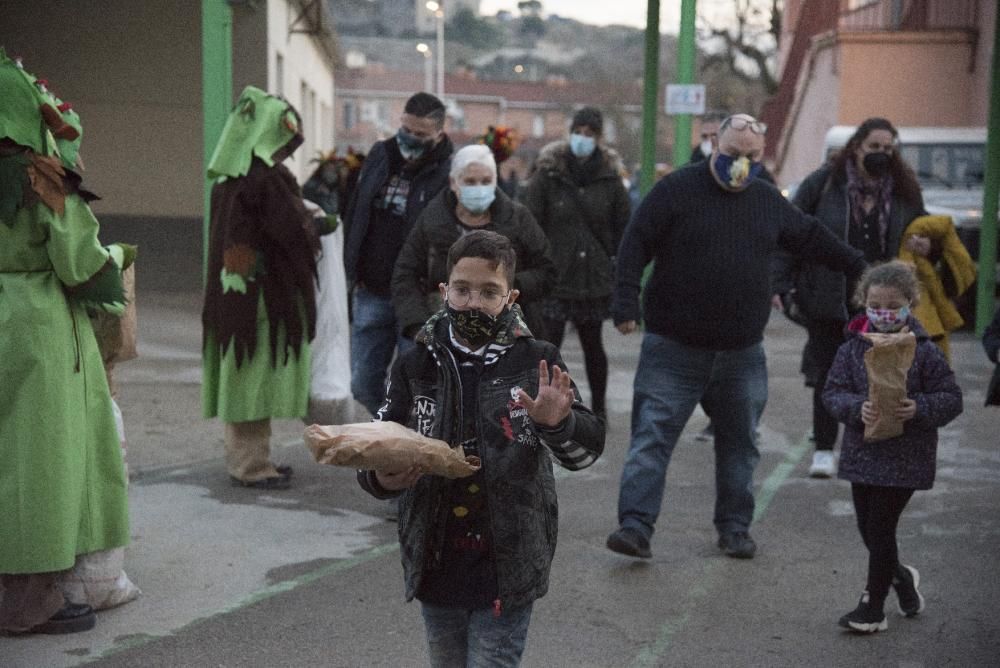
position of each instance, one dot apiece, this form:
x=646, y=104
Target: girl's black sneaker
x=864, y=618
x=905, y=582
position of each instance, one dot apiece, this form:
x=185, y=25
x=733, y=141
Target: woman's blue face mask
x=582, y=145
x=476, y=198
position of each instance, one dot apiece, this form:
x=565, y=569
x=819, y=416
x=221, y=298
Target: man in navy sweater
x=712, y=229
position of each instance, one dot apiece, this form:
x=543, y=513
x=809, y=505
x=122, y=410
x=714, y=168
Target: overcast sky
x=599, y=12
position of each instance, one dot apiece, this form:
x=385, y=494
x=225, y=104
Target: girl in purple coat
x=884, y=474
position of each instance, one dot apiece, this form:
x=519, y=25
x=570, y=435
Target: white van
x=950, y=165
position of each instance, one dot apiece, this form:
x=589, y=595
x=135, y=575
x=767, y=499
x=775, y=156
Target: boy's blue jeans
x=670, y=380
x=463, y=638
x=374, y=338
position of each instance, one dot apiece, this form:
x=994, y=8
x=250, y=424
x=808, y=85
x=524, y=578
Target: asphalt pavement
x=311, y=576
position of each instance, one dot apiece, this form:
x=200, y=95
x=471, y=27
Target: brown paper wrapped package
x=887, y=362
x=386, y=446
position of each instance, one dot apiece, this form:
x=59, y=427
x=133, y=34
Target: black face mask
x=877, y=164
x=477, y=327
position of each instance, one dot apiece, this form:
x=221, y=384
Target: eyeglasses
x=491, y=298
x=740, y=123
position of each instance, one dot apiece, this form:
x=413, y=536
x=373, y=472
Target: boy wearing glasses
x=476, y=551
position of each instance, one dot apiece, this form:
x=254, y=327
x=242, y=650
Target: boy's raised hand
x=554, y=400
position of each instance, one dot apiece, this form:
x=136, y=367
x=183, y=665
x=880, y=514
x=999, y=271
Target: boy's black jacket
x=424, y=393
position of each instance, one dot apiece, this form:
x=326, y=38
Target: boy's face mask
x=477, y=327
x=887, y=319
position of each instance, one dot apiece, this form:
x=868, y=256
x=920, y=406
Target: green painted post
x=651, y=88
x=986, y=290
x=685, y=75
x=216, y=91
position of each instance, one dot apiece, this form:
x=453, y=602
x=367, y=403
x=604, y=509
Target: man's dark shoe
x=737, y=544
x=905, y=581
x=72, y=618
x=864, y=618
x=630, y=542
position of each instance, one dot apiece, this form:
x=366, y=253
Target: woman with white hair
x=471, y=202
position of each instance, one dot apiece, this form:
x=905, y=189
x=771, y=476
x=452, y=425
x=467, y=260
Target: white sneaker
x=824, y=464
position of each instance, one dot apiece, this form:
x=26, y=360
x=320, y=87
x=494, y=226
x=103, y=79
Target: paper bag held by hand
x=887, y=362
x=386, y=446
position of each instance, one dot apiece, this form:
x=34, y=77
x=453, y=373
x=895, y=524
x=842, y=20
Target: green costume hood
x=21, y=119
x=260, y=125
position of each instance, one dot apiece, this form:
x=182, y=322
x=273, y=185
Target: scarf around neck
x=858, y=188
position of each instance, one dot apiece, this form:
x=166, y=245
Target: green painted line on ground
x=255, y=597
x=652, y=655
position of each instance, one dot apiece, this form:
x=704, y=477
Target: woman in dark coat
x=578, y=196
x=866, y=195
x=473, y=201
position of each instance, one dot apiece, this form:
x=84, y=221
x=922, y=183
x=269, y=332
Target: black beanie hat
x=590, y=117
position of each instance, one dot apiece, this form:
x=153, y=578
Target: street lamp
x=428, y=66
x=438, y=11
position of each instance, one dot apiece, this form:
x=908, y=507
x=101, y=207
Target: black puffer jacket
x=822, y=292
x=422, y=262
x=517, y=455
x=584, y=222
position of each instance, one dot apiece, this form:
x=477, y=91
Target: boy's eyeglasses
x=738, y=123
x=491, y=298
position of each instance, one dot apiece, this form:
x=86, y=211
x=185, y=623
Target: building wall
x=814, y=114
x=979, y=105
x=137, y=90
x=911, y=78
x=305, y=80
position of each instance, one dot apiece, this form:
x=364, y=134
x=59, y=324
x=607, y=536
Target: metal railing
x=909, y=15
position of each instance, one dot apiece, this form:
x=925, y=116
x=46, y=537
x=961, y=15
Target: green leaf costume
x=62, y=481
x=260, y=304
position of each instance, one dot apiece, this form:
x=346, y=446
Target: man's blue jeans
x=670, y=381
x=460, y=638
x=374, y=338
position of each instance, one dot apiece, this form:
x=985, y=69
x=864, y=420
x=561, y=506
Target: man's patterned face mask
x=888, y=319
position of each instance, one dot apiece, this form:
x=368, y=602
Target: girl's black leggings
x=594, y=359
x=878, y=510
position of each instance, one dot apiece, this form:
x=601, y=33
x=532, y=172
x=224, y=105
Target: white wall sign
x=685, y=99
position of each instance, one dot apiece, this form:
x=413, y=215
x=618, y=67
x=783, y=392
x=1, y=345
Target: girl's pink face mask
x=887, y=319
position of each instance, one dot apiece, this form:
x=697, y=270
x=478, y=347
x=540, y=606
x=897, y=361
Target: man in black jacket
x=399, y=177
x=712, y=229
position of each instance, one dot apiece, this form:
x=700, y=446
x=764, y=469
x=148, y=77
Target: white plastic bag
x=330, y=388
x=97, y=578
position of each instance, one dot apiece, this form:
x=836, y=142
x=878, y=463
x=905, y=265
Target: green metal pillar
x=216, y=90
x=651, y=88
x=985, y=291
x=685, y=75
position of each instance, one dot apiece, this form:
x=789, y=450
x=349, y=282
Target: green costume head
x=21, y=118
x=260, y=125
x=33, y=116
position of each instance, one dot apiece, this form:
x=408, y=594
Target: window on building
x=538, y=125
x=279, y=73
x=307, y=110
x=350, y=114
x=610, y=130
x=326, y=126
